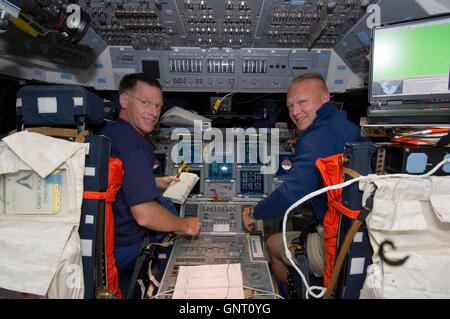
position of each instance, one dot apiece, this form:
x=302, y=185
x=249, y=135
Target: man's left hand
x=164, y=182
x=247, y=220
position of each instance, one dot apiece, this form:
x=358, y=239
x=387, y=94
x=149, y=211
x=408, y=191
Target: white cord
x=162, y=293
x=150, y=275
x=323, y=190
x=268, y=293
x=141, y=285
x=164, y=244
x=227, y=95
x=222, y=99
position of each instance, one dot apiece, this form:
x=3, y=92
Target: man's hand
x=247, y=221
x=164, y=182
x=191, y=226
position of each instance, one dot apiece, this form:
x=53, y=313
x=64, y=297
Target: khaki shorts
x=314, y=250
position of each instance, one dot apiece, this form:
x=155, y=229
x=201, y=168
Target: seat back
x=58, y=106
x=92, y=223
x=359, y=255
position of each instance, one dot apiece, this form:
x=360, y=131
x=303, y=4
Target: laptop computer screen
x=411, y=61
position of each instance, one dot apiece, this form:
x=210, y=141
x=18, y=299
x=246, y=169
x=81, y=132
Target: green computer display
x=411, y=60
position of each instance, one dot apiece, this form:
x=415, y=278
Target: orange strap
x=332, y=170
x=108, y=196
x=115, y=174
x=350, y=213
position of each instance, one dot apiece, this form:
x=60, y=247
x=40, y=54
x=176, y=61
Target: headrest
x=58, y=105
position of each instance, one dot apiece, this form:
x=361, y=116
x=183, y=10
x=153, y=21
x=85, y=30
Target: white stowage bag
x=40, y=250
x=372, y=285
x=414, y=214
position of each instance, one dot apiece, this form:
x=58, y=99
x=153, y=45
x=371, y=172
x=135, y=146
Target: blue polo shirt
x=138, y=184
x=326, y=136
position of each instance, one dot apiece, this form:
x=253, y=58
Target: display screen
x=252, y=183
x=411, y=60
x=220, y=171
